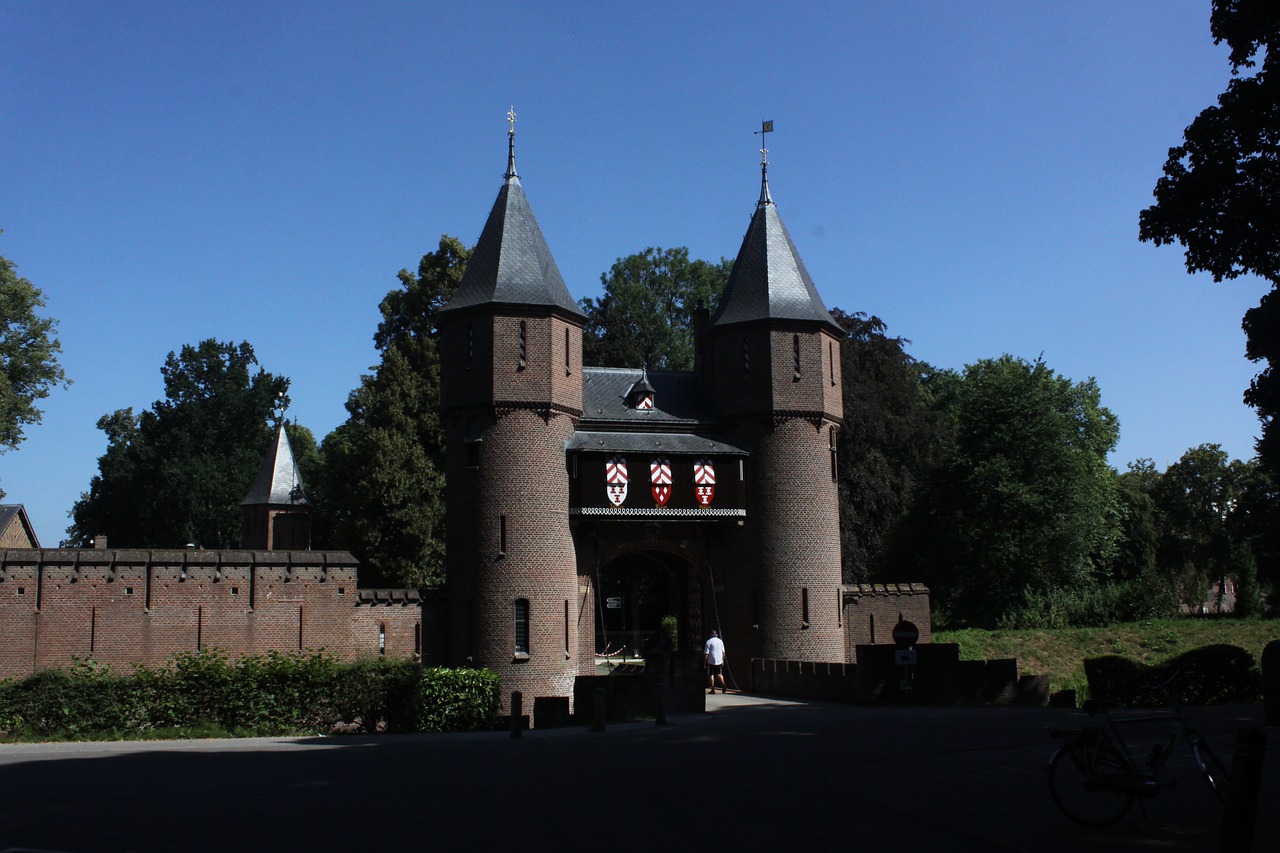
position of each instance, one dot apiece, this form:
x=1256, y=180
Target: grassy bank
x=1060, y=653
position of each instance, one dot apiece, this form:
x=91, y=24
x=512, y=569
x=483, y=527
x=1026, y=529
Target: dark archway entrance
x=638, y=592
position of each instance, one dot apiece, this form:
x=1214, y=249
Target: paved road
x=752, y=774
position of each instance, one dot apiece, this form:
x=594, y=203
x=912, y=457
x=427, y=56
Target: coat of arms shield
x=615, y=476
x=660, y=477
x=704, y=481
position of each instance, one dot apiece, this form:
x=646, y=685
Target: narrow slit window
x=831, y=360
x=524, y=343
x=835, y=455
x=804, y=606
x=502, y=536
x=522, y=626
x=568, y=364
x=795, y=351
x=471, y=344
x=382, y=640
x=746, y=355
x=566, y=629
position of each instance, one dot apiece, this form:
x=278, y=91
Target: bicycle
x=1094, y=777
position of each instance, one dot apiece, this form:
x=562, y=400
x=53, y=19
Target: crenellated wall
x=126, y=607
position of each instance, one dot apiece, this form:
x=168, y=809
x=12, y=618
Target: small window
x=473, y=454
x=835, y=457
x=522, y=627
x=746, y=355
x=342, y=590
x=128, y=590
x=795, y=349
x=502, y=536
x=471, y=344
x=568, y=366
x=22, y=590
x=831, y=360
x=382, y=640
x=804, y=607
x=235, y=590
x=524, y=343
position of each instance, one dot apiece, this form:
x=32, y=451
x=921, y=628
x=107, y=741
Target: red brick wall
x=126, y=607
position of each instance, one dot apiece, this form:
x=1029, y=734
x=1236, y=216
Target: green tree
x=889, y=438
x=1019, y=520
x=29, y=351
x=176, y=473
x=1208, y=530
x=1221, y=188
x=645, y=317
x=381, y=487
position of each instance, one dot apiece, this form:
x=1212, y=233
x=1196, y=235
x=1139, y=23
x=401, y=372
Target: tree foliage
x=382, y=481
x=889, y=438
x=1023, y=508
x=176, y=473
x=29, y=350
x=1221, y=189
x=645, y=317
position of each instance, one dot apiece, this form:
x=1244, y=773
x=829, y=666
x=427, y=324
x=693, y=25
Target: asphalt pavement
x=750, y=774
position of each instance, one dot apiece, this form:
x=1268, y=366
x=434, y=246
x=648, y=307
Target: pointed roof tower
x=769, y=280
x=511, y=264
x=279, y=482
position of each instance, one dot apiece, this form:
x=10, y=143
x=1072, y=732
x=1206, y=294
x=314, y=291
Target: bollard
x=660, y=697
x=517, y=712
x=1271, y=682
x=597, y=715
x=1242, y=795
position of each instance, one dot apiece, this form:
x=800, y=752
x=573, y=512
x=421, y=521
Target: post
x=517, y=713
x=1242, y=795
x=597, y=715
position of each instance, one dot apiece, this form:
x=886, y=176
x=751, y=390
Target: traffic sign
x=905, y=634
x=904, y=657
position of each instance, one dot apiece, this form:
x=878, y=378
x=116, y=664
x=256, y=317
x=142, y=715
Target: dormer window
x=641, y=395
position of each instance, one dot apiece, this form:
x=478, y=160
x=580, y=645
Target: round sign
x=905, y=634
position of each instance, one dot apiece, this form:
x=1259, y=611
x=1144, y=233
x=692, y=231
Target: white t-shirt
x=714, y=650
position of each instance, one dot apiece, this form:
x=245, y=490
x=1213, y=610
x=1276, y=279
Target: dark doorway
x=637, y=592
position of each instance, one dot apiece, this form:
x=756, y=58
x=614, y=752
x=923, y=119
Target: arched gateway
x=707, y=495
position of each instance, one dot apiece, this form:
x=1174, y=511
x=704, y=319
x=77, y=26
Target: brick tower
x=771, y=359
x=511, y=365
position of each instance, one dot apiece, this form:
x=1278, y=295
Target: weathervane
x=765, y=127
x=511, y=142
x=511, y=119
x=280, y=405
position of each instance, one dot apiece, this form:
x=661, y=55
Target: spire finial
x=765, y=127
x=511, y=143
x=279, y=408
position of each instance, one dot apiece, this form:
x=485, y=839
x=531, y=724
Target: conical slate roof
x=769, y=281
x=279, y=483
x=512, y=264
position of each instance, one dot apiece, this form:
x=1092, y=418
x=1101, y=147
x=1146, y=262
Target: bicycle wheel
x=1212, y=768
x=1087, y=781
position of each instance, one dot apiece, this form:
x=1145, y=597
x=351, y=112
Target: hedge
x=270, y=694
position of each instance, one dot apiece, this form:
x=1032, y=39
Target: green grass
x=1060, y=653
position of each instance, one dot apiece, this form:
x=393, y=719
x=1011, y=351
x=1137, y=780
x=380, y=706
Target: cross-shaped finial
x=511, y=118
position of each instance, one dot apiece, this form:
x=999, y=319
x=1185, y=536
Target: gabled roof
x=511, y=264
x=279, y=482
x=11, y=514
x=769, y=280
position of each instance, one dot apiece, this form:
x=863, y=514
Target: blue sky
x=970, y=172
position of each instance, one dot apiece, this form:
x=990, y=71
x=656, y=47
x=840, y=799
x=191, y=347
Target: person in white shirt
x=713, y=652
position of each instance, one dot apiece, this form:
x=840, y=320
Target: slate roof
x=512, y=264
x=649, y=442
x=279, y=483
x=769, y=280
x=678, y=399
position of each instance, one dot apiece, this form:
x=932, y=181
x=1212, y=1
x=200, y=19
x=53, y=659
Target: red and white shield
x=645, y=402
x=660, y=476
x=615, y=476
x=704, y=481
